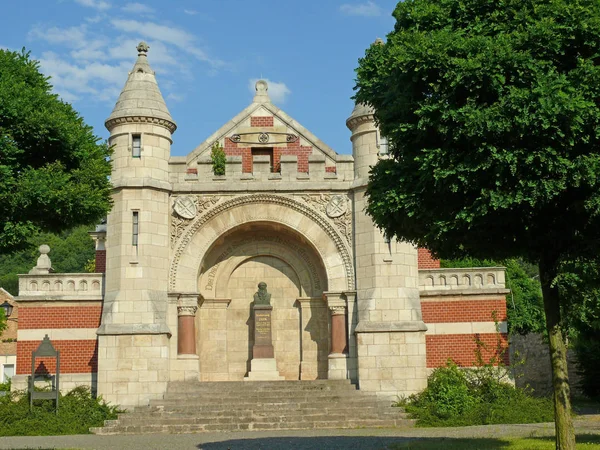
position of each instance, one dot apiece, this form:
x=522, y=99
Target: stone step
x=194, y=407
x=260, y=386
x=288, y=411
x=266, y=396
x=198, y=428
x=271, y=416
x=253, y=418
x=168, y=403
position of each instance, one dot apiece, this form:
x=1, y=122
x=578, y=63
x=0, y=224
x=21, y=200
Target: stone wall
x=531, y=356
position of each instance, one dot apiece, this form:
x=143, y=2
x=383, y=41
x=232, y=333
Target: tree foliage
x=492, y=109
x=53, y=170
x=70, y=251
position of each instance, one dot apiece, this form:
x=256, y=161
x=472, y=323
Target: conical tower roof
x=141, y=100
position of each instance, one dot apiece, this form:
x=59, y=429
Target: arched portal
x=296, y=279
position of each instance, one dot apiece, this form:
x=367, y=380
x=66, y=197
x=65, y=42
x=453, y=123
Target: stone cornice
x=111, y=123
x=353, y=122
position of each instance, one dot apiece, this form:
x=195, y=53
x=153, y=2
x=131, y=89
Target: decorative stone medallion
x=337, y=206
x=185, y=207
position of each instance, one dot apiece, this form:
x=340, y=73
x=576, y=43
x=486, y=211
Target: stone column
x=186, y=330
x=338, y=356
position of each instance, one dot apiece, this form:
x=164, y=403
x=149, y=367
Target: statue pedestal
x=263, y=365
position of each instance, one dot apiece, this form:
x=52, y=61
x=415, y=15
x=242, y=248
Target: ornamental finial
x=142, y=48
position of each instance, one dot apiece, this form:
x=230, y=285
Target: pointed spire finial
x=142, y=48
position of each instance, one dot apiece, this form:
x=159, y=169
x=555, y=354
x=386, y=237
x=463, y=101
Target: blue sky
x=206, y=55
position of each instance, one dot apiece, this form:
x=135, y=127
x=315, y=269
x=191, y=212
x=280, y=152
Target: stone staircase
x=194, y=407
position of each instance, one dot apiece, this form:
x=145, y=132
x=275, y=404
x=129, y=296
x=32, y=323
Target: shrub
x=78, y=411
x=462, y=397
x=219, y=159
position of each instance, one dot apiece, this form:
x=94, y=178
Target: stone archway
x=296, y=279
x=298, y=251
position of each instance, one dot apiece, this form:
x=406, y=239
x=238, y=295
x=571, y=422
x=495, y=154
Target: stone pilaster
x=338, y=355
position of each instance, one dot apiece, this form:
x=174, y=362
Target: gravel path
x=284, y=440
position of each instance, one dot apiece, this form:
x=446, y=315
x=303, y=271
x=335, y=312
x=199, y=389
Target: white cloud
x=72, y=80
x=175, y=97
x=138, y=8
x=368, y=9
x=171, y=35
x=190, y=12
x=73, y=37
x=100, y=5
x=278, y=92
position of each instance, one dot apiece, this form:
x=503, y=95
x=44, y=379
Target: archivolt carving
x=179, y=223
x=343, y=221
x=189, y=230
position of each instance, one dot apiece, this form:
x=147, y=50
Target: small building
x=8, y=338
x=183, y=250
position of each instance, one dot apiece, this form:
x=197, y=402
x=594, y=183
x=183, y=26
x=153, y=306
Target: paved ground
x=285, y=440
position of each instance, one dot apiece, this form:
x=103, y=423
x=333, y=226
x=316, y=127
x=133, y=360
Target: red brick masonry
x=464, y=311
x=60, y=317
x=77, y=356
x=100, y=261
x=461, y=348
x=426, y=261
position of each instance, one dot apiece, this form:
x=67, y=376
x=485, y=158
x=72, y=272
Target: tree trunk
x=565, y=433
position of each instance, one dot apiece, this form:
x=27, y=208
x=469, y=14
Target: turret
x=364, y=140
x=390, y=328
x=134, y=314
x=140, y=127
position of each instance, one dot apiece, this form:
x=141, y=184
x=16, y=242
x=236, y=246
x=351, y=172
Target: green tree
x=53, y=170
x=70, y=252
x=492, y=109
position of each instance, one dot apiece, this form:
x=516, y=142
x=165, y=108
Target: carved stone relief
x=182, y=234
x=337, y=208
x=185, y=210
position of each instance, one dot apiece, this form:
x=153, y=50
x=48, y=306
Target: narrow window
x=136, y=226
x=382, y=144
x=136, y=145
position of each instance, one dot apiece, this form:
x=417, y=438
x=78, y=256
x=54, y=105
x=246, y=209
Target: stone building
x=184, y=249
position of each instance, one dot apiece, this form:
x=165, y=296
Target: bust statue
x=262, y=297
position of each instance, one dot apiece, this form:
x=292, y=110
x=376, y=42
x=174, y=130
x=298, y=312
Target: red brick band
x=261, y=121
x=464, y=311
x=461, y=348
x=426, y=261
x=36, y=317
x=78, y=356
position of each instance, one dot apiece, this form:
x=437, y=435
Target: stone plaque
x=263, y=344
x=262, y=327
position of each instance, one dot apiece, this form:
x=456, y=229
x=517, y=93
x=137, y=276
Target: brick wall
x=461, y=348
x=60, y=317
x=426, y=261
x=460, y=324
x=100, y=261
x=76, y=356
x=261, y=121
x=291, y=148
x=71, y=329
x=464, y=311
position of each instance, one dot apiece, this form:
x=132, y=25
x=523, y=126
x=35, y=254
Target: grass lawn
x=584, y=442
